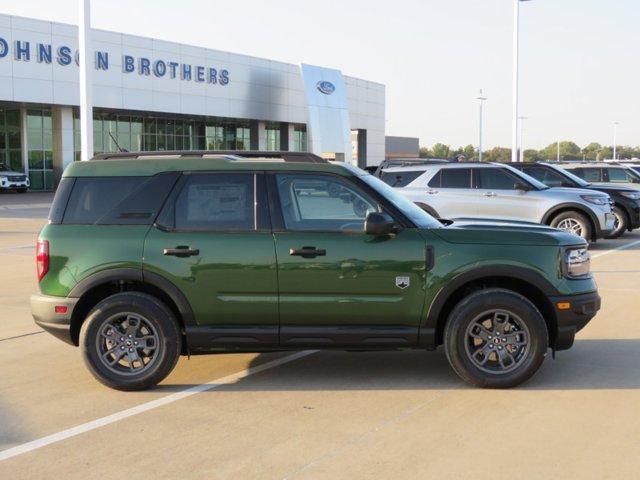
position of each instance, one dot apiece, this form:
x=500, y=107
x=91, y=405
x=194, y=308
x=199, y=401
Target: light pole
x=86, y=102
x=516, y=49
x=615, y=134
x=521, y=142
x=481, y=98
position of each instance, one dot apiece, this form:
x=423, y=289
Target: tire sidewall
x=495, y=299
x=155, y=313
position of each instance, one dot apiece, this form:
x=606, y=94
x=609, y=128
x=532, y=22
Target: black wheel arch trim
x=595, y=223
x=429, y=326
x=142, y=276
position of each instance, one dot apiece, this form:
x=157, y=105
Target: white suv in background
x=498, y=192
x=10, y=180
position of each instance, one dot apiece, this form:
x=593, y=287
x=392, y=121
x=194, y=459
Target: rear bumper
x=570, y=321
x=43, y=310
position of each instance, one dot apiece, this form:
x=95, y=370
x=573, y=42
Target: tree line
x=568, y=151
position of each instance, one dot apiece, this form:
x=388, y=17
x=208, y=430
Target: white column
x=86, y=60
x=63, y=146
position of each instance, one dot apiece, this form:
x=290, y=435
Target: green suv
x=149, y=256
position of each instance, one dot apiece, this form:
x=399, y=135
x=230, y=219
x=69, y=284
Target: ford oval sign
x=325, y=87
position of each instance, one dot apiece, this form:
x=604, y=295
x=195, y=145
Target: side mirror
x=379, y=224
x=522, y=186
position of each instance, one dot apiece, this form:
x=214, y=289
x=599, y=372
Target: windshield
x=530, y=180
x=633, y=174
x=581, y=182
x=418, y=216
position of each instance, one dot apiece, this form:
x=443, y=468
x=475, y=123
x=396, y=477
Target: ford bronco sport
x=147, y=256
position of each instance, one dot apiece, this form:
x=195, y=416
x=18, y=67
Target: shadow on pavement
x=589, y=365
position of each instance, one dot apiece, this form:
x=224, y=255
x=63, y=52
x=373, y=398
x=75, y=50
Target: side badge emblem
x=403, y=282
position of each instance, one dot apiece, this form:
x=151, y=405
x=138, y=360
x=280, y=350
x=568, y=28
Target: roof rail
x=304, y=157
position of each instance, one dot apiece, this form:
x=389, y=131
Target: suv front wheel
x=495, y=338
x=130, y=341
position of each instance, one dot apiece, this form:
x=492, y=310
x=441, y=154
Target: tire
x=573, y=222
x=525, y=325
x=621, y=224
x=112, y=323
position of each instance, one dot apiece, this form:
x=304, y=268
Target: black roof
x=304, y=157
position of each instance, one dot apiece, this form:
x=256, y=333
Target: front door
x=213, y=242
x=338, y=285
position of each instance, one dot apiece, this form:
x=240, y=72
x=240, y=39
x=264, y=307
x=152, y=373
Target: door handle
x=181, y=251
x=308, y=252
x=431, y=191
x=490, y=194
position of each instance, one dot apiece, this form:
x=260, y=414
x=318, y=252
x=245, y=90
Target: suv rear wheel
x=495, y=338
x=130, y=341
x=620, y=224
x=573, y=222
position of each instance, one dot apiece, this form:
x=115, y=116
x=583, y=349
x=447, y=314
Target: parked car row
x=549, y=194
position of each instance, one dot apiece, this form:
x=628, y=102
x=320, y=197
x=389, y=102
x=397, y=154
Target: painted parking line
x=145, y=407
x=621, y=247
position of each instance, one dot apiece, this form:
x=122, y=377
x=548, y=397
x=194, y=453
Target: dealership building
x=155, y=95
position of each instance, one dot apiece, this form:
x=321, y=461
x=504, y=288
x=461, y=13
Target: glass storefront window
x=300, y=138
x=40, y=143
x=273, y=136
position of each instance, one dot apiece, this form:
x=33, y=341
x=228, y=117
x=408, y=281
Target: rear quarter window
x=400, y=179
x=116, y=200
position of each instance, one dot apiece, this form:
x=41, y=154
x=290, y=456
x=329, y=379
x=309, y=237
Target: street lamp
x=481, y=99
x=615, y=134
x=521, y=142
x=86, y=59
x=516, y=35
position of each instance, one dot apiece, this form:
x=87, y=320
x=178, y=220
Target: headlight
x=577, y=262
x=3, y=179
x=595, y=199
x=631, y=195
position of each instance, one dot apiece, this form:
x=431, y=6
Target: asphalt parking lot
x=317, y=415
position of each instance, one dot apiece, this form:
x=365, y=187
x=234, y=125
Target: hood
x=490, y=232
x=11, y=174
x=618, y=187
x=577, y=191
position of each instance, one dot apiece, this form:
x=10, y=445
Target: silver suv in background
x=499, y=192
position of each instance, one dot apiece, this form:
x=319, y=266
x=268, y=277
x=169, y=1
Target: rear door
x=500, y=199
x=449, y=192
x=338, y=285
x=213, y=241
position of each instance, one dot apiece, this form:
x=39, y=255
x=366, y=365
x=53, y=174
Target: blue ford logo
x=326, y=87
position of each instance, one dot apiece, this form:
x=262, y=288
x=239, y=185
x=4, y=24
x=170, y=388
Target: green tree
x=441, y=150
x=531, y=155
x=568, y=151
x=592, y=150
x=497, y=154
x=470, y=152
x=425, y=153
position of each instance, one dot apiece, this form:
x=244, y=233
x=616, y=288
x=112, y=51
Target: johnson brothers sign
x=159, y=67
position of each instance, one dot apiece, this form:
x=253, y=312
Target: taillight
x=42, y=258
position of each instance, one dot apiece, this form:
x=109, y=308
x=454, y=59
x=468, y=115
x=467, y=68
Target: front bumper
x=7, y=183
x=582, y=308
x=43, y=310
x=605, y=225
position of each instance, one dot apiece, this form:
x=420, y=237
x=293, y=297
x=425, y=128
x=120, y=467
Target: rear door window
x=591, y=174
x=493, y=179
x=455, y=178
x=216, y=202
x=400, y=179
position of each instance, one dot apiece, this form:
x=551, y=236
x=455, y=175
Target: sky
x=579, y=58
